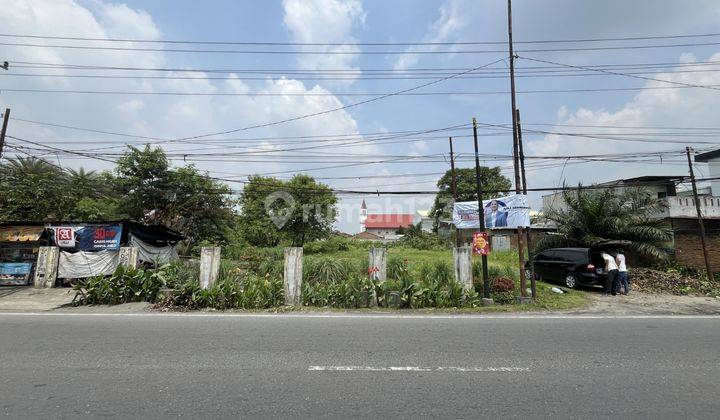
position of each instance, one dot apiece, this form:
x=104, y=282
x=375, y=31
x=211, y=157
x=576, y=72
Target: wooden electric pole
x=454, y=188
x=516, y=158
x=531, y=264
x=703, y=241
x=6, y=117
x=481, y=213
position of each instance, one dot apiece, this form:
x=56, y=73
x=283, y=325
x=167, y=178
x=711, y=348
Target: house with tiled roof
x=384, y=225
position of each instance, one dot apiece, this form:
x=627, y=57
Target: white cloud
x=452, y=20
x=682, y=107
x=325, y=21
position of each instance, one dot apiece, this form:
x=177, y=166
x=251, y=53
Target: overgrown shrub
x=124, y=285
x=352, y=292
x=503, y=290
x=397, y=267
x=178, y=273
x=244, y=292
x=327, y=270
x=440, y=272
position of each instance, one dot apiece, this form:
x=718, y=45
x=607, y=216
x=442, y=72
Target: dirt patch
x=674, y=282
x=639, y=303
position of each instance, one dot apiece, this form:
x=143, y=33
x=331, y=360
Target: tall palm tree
x=592, y=217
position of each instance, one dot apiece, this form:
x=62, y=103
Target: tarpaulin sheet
x=153, y=254
x=87, y=264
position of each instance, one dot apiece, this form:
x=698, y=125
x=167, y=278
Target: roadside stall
x=91, y=249
x=19, y=245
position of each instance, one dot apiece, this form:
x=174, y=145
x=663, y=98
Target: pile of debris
x=672, y=281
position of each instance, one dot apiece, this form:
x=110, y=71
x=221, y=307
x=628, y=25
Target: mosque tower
x=363, y=216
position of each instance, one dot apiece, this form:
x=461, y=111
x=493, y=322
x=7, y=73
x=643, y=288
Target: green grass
x=324, y=263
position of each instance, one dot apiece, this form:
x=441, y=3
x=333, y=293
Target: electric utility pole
x=516, y=158
x=454, y=188
x=6, y=117
x=481, y=214
x=688, y=150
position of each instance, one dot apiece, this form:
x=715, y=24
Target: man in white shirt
x=611, y=270
x=623, y=277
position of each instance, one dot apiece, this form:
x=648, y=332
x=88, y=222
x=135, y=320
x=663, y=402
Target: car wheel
x=571, y=281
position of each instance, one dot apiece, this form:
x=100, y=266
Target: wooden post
x=209, y=266
x=458, y=242
x=528, y=238
x=292, y=277
x=6, y=117
x=703, y=241
x=463, y=266
x=46, y=267
x=487, y=300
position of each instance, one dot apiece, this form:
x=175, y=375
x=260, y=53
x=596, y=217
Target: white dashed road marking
x=417, y=369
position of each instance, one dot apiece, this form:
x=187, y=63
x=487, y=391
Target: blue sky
x=366, y=21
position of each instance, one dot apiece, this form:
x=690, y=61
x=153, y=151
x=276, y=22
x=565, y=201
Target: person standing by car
x=611, y=271
x=623, y=277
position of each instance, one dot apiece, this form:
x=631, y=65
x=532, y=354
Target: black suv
x=570, y=267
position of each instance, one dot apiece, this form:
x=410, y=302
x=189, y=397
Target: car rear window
x=573, y=255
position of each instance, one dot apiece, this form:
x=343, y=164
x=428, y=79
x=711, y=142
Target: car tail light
x=590, y=267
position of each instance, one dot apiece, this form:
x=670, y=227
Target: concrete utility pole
x=481, y=214
x=454, y=187
x=688, y=151
x=516, y=154
x=6, y=117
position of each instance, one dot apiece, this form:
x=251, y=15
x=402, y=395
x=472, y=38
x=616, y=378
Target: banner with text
x=88, y=238
x=499, y=213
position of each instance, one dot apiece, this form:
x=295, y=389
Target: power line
x=622, y=74
x=349, y=52
x=225, y=42
x=357, y=94
x=331, y=110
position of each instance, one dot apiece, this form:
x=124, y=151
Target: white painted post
x=209, y=266
x=377, y=265
x=463, y=266
x=46, y=267
x=128, y=257
x=292, y=277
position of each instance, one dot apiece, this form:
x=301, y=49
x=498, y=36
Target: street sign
x=481, y=244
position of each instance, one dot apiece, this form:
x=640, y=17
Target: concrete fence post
x=377, y=267
x=128, y=257
x=463, y=266
x=209, y=266
x=292, y=276
x=46, y=267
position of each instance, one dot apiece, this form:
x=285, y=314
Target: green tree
x=592, y=217
x=33, y=190
x=299, y=210
x=199, y=207
x=492, y=179
x=143, y=177
x=314, y=212
x=254, y=222
x=182, y=198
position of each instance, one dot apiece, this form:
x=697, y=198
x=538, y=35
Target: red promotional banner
x=481, y=244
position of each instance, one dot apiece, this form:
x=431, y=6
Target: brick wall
x=688, y=250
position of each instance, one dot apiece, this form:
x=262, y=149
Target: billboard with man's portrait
x=499, y=213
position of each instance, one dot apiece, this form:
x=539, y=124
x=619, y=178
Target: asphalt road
x=70, y=366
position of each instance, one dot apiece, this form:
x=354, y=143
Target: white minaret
x=363, y=216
